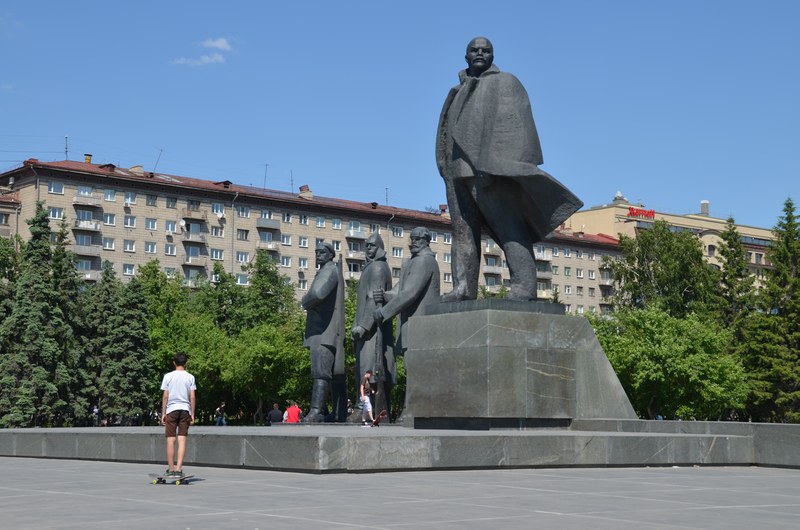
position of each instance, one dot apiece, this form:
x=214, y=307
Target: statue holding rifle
x=373, y=342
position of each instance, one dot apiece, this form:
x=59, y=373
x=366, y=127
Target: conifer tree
x=771, y=346
x=9, y=270
x=736, y=281
x=34, y=373
x=126, y=379
x=68, y=287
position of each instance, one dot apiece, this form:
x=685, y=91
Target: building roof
x=305, y=196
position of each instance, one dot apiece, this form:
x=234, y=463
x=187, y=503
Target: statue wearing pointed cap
x=324, y=305
x=374, y=344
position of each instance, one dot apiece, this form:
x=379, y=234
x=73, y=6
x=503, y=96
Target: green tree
x=126, y=381
x=663, y=268
x=736, y=282
x=35, y=378
x=678, y=367
x=270, y=296
x=770, y=349
x=10, y=259
x=223, y=299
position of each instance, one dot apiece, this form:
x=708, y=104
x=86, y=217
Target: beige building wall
x=622, y=217
x=130, y=217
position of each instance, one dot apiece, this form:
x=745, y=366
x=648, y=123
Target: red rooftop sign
x=641, y=212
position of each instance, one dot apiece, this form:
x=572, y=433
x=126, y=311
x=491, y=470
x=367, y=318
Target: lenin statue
x=488, y=153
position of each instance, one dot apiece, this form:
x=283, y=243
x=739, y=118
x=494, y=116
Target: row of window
x=567, y=252
x=219, y=209
x=555, y=269
x=579, y=290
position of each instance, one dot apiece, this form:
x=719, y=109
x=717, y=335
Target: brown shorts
x=177, y=423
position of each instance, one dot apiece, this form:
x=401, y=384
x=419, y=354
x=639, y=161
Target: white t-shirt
x=178, y=383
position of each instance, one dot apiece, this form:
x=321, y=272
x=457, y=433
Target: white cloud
x=214, y=58
x=219, y=44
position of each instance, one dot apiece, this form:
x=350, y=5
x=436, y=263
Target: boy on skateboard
x=177, y=412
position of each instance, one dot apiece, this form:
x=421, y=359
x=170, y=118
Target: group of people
x=293, y=414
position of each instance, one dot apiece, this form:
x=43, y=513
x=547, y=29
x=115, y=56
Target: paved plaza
x=47, y=493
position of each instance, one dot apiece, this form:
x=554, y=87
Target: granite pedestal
x=489, y=364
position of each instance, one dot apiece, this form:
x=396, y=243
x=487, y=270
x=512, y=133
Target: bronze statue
x=418, y=286
x=488, y=152
x=373, y=343
x=324, y=305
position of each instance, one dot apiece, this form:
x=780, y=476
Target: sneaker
x=168, y=473
x=178, y=474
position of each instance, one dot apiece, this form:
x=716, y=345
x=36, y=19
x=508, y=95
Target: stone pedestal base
x=490, y=368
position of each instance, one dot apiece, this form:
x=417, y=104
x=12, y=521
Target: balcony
x=544, y=275
x=352, y=275
x=542, y=256
x=194, y=238
x=266, y=245
x=356, y=234
x=608, y=282
x=87, y=200
x=90, y=225
x=87, y=250
x=492, y=269
x=188, y=213
x=493, y=250
x=90, y=275
x=356, y=254
x=268, y=224
x=606, y=300
x=195, y=261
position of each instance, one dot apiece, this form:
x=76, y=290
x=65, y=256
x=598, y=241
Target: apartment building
x=129, y=217
x=622, y=217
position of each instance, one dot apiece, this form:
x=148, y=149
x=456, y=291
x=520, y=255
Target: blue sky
x=670, y=102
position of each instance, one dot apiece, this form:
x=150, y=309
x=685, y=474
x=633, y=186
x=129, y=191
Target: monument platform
x=351, y=448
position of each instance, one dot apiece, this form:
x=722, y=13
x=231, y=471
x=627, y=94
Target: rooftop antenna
x=291, y=180
x=387, y=196
x=66, y=147
x=266, y=168
x=157, y=160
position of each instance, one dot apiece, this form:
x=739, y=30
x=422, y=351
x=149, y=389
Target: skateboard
x=163, y=479
x=377, y=421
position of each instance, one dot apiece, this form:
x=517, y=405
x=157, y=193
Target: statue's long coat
x=418, y=287
x=375, y=275
x=324, y=304
x=488, y=119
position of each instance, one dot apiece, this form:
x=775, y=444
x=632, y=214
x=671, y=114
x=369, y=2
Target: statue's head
x=324, y=253
x=480, y=55
x=420, y=239
x=374, y=242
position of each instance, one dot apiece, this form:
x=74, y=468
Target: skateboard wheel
x=177, y=482
x=155, y=481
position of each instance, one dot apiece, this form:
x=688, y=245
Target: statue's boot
x=319, y=393
x=458, y=294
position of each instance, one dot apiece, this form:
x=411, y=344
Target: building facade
x=129, y=217
x=622, y=217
